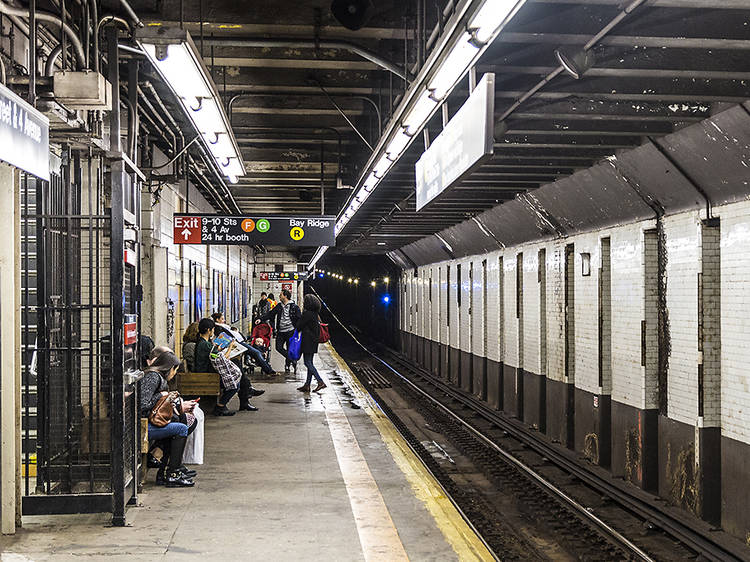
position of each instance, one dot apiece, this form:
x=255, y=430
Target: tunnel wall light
x=482, y=22
x=177, y=60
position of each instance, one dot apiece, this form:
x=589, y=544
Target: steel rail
x=664, y=521
x=670, y=525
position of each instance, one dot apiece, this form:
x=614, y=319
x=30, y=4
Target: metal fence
x=79, y=417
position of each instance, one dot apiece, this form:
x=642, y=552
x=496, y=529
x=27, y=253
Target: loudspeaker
x=352, y=14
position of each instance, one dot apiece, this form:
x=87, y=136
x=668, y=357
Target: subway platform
x=308, y=477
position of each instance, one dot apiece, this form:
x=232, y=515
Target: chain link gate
x=80, y=310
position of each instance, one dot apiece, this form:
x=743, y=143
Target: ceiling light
x=398, y=144
x=381, y=243
x=176, y=58
x=575, y=62
x=418, y=115
x=356, y=281
x=491, y=18
x=373, y=283
x=386, y=279
x=453, y=68
x=383, y=165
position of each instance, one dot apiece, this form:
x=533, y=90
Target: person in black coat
x=309, y=327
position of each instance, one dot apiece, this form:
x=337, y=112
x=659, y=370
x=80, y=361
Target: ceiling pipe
x=240, y=95
x=625, y=12
x=54, y=20
x=305, y=44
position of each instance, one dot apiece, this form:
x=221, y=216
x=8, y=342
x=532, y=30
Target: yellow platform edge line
x=459, y=535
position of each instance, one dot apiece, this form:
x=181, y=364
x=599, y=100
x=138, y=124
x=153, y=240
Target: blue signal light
x=321, y=275
x=386, y=299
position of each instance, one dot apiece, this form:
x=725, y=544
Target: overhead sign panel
x=24, y=135
x=279, y=276
x=465, y=143
x=244, y=230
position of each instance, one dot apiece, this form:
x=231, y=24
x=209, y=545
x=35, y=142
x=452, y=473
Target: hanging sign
x=278, y=276
x=465, y=143
x=24, y=135
x=249, y=230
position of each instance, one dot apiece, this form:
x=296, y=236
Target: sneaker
x=286, y=368
x=223, y=411
x=256, y=392
x=177, y=479
x=321, y=386
x=248, y=407
x=304, y=388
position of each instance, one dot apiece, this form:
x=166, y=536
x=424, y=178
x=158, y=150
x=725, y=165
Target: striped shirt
x=285, y=322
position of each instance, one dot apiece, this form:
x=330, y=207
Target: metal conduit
x=560, y=69
x=304, y=44
x=53, y=19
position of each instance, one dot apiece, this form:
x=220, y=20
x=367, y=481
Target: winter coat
x=309, y=326
x=275, y=315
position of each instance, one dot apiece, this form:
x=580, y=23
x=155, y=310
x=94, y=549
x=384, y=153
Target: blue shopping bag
x=295, y=346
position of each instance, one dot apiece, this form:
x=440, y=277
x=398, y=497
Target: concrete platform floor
x=308, y=477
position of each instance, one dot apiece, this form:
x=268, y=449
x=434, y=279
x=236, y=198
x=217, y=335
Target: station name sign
x=24, y=135
x=245, y=230
x=465, y=143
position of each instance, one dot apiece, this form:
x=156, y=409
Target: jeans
x=282, y=339
x=172, y=429
x=258, y=356
x=311, y=370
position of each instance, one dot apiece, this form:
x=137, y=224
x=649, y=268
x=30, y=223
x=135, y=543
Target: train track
x=621, y=526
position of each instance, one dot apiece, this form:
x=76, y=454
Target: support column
x=8, y=356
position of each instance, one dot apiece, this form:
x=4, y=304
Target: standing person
x=263, y=306
x=153, y=386
x=286, y=314
x=309, y=326
x=203, y=365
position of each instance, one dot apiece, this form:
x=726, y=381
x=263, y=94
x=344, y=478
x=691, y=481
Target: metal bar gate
x=80, y=299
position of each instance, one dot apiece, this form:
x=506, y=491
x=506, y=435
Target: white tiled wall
x=587, y=313
x=683, y=265
x=531, y=357
x=735, y=321
x=628, y=300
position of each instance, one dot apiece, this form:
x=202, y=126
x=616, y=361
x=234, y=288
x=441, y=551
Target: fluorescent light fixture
x=383, y=165
x=417, y=117
x=491, y=17
x=176, y=58
x=453, y=67
x=485, y=23
x=397, y=145
x=317, y=256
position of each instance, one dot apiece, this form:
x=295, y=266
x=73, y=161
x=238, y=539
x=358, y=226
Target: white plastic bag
x=194, y=445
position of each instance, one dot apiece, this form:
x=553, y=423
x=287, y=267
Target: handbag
x=325, y=335
x=162, y=412
x=295, y=346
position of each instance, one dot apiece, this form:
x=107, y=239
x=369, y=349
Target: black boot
x=175, y=477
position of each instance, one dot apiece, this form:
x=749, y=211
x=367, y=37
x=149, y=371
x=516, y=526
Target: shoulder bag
x=162, y=412
x=325, y=335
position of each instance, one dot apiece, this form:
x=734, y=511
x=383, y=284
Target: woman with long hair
x=173, y=436
x=309, y=326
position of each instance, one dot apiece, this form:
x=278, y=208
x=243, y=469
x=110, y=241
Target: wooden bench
x=205, y=385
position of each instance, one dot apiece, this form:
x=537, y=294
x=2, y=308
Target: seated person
x=253, y=352
x=153, y=386
x=189, y=341
x=203, y=364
